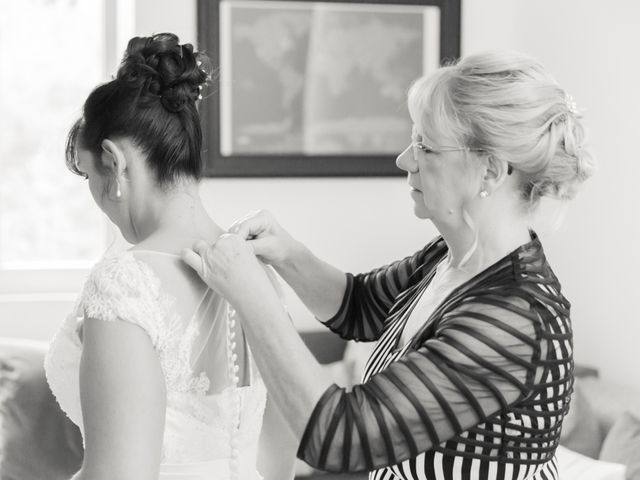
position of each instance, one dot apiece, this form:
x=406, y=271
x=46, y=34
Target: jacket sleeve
x=482, y=358
x=369, y=296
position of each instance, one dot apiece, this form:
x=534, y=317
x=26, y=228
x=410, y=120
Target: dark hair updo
x=152, y=101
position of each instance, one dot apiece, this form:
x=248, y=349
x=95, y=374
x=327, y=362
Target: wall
x=591, y=47
x=360, y=223
x=588, y=45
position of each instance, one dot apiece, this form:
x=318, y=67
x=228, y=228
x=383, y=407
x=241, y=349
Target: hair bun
x=163, y=69
x=568, y=161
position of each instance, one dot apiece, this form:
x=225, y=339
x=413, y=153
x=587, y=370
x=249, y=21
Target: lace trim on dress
x=125, y=288
x=199, y=426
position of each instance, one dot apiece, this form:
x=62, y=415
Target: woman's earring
x=484, y=194
x=118, y=192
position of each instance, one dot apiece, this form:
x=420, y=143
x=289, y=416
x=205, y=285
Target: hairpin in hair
x=571, y=104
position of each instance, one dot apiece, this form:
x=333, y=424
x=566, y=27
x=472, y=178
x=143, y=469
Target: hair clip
x=570, y=104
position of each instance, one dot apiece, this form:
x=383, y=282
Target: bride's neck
x=178, y=215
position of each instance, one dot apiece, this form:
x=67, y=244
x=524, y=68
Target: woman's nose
x=406, y=161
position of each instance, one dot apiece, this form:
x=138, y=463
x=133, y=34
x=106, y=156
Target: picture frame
x=305, y=88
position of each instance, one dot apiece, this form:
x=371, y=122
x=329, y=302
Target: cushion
x=574, y=466
x=37, y=440
x=622, y=444
x=610, y=400
x=581, y=431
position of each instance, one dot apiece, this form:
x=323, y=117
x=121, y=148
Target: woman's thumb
x=192, y=259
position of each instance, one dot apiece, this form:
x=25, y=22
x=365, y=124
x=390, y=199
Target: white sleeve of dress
x=124, y=288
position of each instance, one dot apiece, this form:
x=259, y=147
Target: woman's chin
x=420, y=211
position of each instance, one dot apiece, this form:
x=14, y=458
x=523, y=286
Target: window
x=52, y=54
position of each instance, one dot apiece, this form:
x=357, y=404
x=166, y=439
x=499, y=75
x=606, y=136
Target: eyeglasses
x=429, y=149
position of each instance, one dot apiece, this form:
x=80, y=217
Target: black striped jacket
x=486, y=380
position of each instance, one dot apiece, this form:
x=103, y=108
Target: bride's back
x=197, y=326
x=200, y=348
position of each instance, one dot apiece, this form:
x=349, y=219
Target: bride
x=152, y=365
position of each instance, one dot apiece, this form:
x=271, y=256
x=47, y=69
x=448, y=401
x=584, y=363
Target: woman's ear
x=496, y=172
x=113, y=157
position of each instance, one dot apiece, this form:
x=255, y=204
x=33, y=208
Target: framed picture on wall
x=309, y=88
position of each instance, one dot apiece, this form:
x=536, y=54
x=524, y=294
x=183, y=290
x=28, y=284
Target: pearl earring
x=118, y=192
x=484, y=194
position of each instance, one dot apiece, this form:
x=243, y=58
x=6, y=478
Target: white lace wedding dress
x=212, y=422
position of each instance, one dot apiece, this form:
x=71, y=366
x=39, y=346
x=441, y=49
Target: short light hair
x=508, y=106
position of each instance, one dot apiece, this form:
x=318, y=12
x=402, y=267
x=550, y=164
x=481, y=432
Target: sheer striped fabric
x=479, y=392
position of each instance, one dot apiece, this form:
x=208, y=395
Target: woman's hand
x=229, y=267
x=269, y=240
x=318, y=284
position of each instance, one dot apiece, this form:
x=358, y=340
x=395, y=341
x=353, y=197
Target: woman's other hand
x=229, y=267
x=273, y=244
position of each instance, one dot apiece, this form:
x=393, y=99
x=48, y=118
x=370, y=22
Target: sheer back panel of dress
x=199, y=324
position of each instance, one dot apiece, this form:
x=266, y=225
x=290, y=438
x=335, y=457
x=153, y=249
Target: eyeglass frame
x=429, y=149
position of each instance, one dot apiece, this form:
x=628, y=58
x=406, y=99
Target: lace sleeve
x=125, y=288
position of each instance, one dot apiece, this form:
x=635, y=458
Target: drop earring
x=118, y=192
x=484, y=194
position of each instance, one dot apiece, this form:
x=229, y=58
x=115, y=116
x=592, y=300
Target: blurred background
x=53, y=52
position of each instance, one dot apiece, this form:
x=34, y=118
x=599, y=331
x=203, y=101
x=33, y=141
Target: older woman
x=472, y=373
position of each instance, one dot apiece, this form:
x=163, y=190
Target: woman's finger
x=247, y=229
x=194, y=260
x=200, y=247
x=259, y=246
x=250, y=226
x=236, y=225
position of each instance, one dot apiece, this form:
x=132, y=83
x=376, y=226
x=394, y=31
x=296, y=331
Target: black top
x=487, y=378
